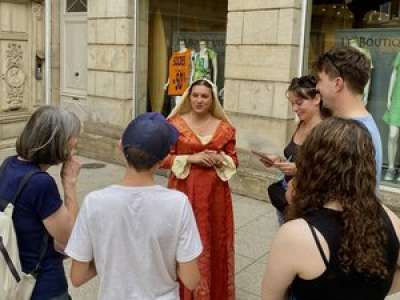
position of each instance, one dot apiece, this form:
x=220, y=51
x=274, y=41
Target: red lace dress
x=212, y=205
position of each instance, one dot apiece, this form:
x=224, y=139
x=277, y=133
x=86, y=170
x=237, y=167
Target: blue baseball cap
x=151, y=133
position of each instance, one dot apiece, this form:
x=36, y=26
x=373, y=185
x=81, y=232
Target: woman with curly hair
x=340, y=242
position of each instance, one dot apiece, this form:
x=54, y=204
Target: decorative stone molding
x=14, y=77
x=37, y=10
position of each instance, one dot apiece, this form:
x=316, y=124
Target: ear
x=339, y=84
x=317, y=99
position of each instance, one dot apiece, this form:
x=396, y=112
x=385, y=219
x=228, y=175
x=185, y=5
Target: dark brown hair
x=44, y=139
x=337, y=162
x=347, y=62
x=138, y=159
x=305, y=87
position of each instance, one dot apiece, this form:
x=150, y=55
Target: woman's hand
x=270, y=160
x=217, y=157
x=205, y=159
x=70, y=172
x=266, y=162
x=287, y=168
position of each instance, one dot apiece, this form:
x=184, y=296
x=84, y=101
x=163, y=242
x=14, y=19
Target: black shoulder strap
x=45, y=241
x=321, y=251
x=21, y=186
x=43, y=251
x=3, y=202
x=24, y=181
x=9, y=262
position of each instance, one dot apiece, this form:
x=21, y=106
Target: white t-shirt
x=136, y=235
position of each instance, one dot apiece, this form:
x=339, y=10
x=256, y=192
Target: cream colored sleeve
x=228, y=169
x=181, y=167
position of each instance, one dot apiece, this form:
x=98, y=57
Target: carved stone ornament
x=14, y=77
x=37, y=10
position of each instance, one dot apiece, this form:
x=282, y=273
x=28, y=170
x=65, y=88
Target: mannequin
x=180, y=71
x=354, y=44
x=205, y=64
x=214, y=54
x=392, y=118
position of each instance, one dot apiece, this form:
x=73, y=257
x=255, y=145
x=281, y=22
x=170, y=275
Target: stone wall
x=263, y=38
x=110, y=74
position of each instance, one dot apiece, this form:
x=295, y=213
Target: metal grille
x=76, y=6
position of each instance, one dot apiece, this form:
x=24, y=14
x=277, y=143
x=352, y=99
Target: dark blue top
x=39, y=199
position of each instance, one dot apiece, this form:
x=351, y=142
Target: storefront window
x=186, y=41
x=373, y=27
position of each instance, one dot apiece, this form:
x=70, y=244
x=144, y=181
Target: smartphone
x=269, y=157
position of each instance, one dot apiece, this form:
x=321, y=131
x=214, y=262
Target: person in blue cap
x=138, y=237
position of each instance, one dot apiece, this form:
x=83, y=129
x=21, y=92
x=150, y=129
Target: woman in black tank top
x=340, y=242
x=306, y=104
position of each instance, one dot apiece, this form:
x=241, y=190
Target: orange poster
x=180, y=68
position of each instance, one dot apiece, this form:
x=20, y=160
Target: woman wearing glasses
x=306, y=104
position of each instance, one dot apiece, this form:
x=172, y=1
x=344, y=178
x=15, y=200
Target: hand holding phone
x=267, y=159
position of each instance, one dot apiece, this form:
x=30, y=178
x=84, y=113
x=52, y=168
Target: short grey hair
x=44, y=139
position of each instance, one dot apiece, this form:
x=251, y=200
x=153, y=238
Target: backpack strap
x=3, y=202
x=21, y=186
x=8, y=260
x=43, y=248
x=43, y=251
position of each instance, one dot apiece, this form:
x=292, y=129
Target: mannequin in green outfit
x=392, y=118
x=205, y=64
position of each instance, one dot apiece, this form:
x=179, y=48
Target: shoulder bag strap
x=45, y=241
x=22, y=184
x=3, y=202
x=43, y=251
x=8, y=260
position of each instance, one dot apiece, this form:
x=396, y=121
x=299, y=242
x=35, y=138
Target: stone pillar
x=261, y=58
x=110, y=75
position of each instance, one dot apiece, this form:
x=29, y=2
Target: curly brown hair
x=337, y=163
x=346, y=62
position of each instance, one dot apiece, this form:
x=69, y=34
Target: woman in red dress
x=201, y=163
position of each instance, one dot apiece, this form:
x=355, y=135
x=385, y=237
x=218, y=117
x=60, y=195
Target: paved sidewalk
x=255, y=227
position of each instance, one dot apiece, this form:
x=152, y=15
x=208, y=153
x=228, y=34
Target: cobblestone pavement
x=255, y=227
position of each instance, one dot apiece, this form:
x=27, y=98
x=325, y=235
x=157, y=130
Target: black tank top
x=334, y=284
x=290, y=153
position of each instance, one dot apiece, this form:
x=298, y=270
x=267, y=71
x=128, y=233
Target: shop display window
x=373, y=27
x=186, y=42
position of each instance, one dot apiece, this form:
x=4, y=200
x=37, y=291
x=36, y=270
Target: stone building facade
x=99, y=67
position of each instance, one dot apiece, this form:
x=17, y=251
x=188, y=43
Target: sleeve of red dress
x=230, y=148
x=169, y=160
